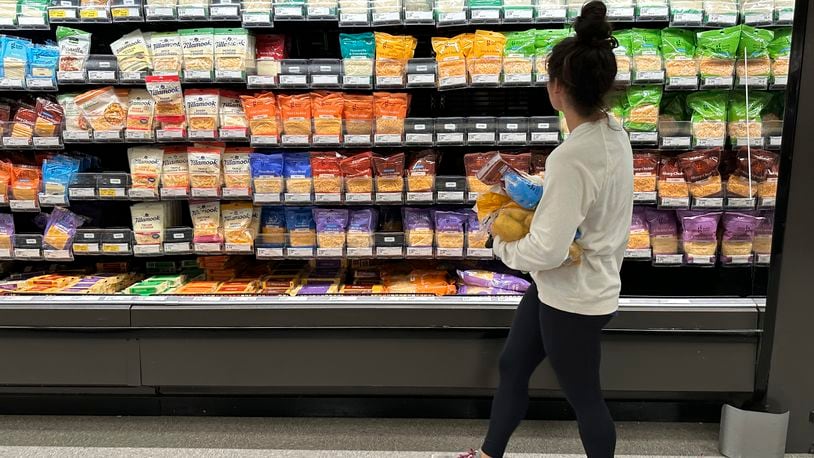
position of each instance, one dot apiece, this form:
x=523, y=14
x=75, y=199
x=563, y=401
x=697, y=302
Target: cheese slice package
x=149, y=222
x=132, y=52
x=145, y=166
x=61, y=228
x=206, y=222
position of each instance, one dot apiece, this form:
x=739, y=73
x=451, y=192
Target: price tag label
x=450, y=138
x=326, y=140
x=708, y=202
x=764, y=258
x=388, y=197
x=517, y=78
x=619, y=13
x=419, y=251
x=320, y=11
x=418, y=139
x=23, y=205
x=710, y=142
x=195, y=134
x=324, y=80
x=449, y=252
x=485, y=253
x=299, y=140
x=174, y=193
x=146, y=249
x=513, y=137
x=116, y=248
x=388, y=139
x=452, y=18
x=640, y=197
x=16, y=141
x=481, y=137
x=169, y=134
x=545, y=137
x=650, y=76
x=61, y=14
x=485, y=15
x=391, y=251
x=204, y=192
x=142, y=193
x=682, y=82
x=76, y=135
x=638, y=254
x=300, y=252
x=452, y=81
x=700, y=260
x=421, y=78
x=111, y=193
x=297, y=197
x=518, y=14
x=192, y=12
x=418, y=16
x=107, y=135
x=386, y=18
x=46, y=142
x=450, y=196
x=653, y=12
x=223, y=11
x=488, y=79
x=264, y=140
x=623, y=77
x=124, y=13
x=675, y=202
x=644, y=137
x=266, y=198
x=353, y=18
x=239, y=248
x=177, y=247
x=236, y=192
x=85, y=248
x=718, y=81
x=545, y=14
x=329, y=252
x=212, y=247
x=754, y=81
x=31, y=21
x=363, y=197
x=138, y=134
x=53, y=199
x=79, y=193
x=383, y=81
x=101, y=75
x=687, y=17
x=264, y=252
x=322, y=197
x=357, y=139
x=420, y=196
x=293, y=80
x=668, y=259
x=768, y=201
x=27, y=253
x=676, y=142
x=359, y=252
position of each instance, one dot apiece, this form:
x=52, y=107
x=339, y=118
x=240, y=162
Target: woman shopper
x=588, y=187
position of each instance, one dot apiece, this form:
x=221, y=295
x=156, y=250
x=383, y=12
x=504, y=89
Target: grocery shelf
x=338, y=311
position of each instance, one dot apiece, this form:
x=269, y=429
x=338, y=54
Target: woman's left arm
x=570, y=190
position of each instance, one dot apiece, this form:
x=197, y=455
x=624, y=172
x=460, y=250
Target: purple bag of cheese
x=449, y=229
x=699, y=232
x=663, y=229
x=487, y=279
x=331, y=225
x=418, y=227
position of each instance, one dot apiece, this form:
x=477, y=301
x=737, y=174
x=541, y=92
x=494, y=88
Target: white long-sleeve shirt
x=588, y=186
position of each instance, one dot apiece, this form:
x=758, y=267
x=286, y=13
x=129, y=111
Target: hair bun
x=592, y=26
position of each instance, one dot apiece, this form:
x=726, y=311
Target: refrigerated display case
x=161, y=187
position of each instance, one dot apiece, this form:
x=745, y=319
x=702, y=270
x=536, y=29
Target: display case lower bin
x=178, y=240
x=112, y=186
x=419, y=131
x=102, y=69
x=389, y=244
x=544, y=130
x=450, y=189
x=450, y=131
x=421, y=72
x=87, y=242
x=294, y=73
x=27, y=247
x=83, y=186
x=116, y=242
x=512, y=131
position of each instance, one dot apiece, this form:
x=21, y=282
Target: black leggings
x=571, y=343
